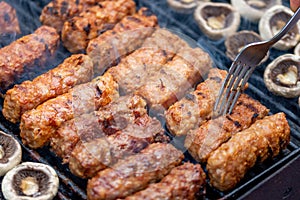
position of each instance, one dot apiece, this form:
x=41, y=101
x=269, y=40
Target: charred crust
x=236, y=123
x=164, y=53
x=87, y=29
x=99, y=92
x=77, y=2
x=131, y=18
x=201, y=94
x=100, y=5
x=7, y=17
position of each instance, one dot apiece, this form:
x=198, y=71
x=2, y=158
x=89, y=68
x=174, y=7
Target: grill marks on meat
x=38, y=125
x=88, y=158
x=106, y=121
x=8, y=19
x=78, y=31
x=134, y=173
x=26, y=53
x=210, y=135
x=165, y=86
x=57, y=12
x=125, y=37
x=74, y=70
x=183, y=182
x=229, y=163
x=193, y=110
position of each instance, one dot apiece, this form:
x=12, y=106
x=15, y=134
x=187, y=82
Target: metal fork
x=243, y=66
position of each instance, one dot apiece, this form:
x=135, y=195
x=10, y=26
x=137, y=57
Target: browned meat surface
x=106, y=121
x=229, y=163
x=38, y=125
x=134, y=173
x=73, y=71
x=197, y=106
x=174, y=79
x=204, y=140
x=58, y=11
x=125, y=37
x=134, y=70
x=25, y=53
x=8, y=19
x=183, y=182
x=88, y=158
x=77, y=32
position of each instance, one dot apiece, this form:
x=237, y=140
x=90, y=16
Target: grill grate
x=72, y=187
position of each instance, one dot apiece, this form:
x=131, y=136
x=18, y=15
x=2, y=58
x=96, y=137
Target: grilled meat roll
x=172, y=81
x=73, y=71
x=134, y=173
x=38, y=125
x=265, y=138
x=8, y=19
x=88, y=158
x=77, y=32
x=204, y=140
x=133, y=71
x=183, y=182
x=57, y=12
x=197, y=106
x=125, y=37
x=105, y=121
x=26, y=53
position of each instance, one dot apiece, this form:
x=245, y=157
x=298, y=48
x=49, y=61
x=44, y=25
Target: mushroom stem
x=29, y=186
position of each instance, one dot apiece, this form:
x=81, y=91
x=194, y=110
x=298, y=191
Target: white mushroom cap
x=184, y=6
x=10, y=152
x=279, y=14
x=297, y=50
x=285, y=69
x=217, y=20
x=20, y=183
x=253, y=10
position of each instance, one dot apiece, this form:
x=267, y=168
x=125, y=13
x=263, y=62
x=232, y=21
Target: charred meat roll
x=202, y=141
x=128, y=35
x=57, y=12
x=77, y=32
x=38, y=125
x=75, y=70
x=88, y=158
x=105, y=121
x=8, y=19
x=169, y=84
x=264, y=139
x=25, y=53
x=134, y=173
x=196, y=107
x=183, y=182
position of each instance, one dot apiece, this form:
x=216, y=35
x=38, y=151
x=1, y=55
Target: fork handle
x=289, y=25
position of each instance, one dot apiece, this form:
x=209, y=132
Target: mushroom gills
x=217, y=22
x=290, y=78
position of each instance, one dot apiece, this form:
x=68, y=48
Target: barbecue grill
x=260, y=178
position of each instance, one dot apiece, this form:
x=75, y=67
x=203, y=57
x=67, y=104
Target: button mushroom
x=30, y=181
x=297, y=50
x=282, y=76
x=273, y=21
x=217, y=20
x=253, y=10
x=10, y=152
x=235, y=43
x=183, y=6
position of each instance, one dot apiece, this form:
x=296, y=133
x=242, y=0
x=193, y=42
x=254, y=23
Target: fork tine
x=241, y=88
x=233, y=74
x=225, y=82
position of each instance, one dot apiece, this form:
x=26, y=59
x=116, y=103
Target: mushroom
x=30, y=181
x=297, y=50
x=253, y=10
x=235, y=43
x=273, y=21
x=10, y=153
x=184, y=6
x=217, y=20
x=282, y=76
